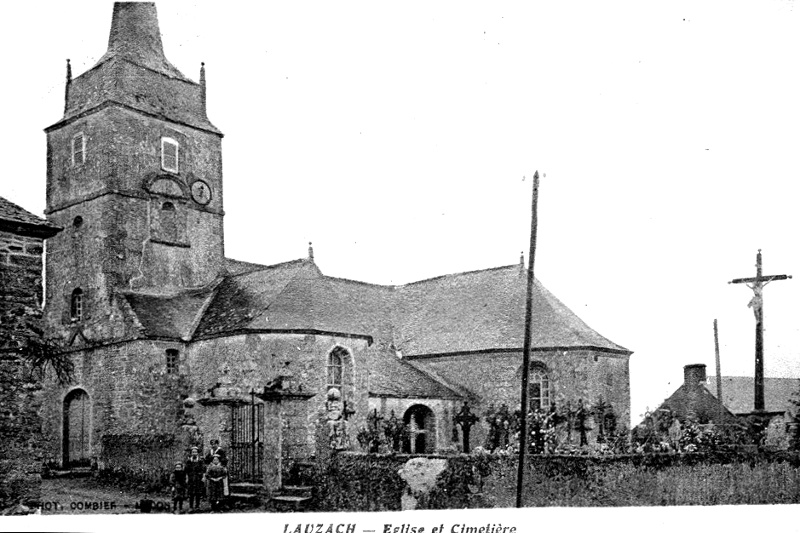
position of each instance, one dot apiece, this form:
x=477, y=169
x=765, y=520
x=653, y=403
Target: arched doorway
x=77, y=429
x=421, y=430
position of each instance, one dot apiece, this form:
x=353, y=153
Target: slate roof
x=392, y=377
x=15, y=218
x=241, y=299
x=169, y=316
x=697, y=401
x=467, y=312
x=234, y=266
x=738, y=392
x=485, y=310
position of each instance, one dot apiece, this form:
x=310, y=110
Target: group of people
x=201, y=476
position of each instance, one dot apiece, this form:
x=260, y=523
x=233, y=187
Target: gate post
x=273, y=444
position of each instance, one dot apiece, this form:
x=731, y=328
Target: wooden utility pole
x=757, y=285
x=719, y=368
x=526, y=347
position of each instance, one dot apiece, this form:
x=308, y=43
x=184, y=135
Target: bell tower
x=134, y=175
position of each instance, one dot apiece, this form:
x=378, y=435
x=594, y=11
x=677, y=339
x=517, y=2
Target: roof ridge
x=359, y=282
x=266, y=267
x=202, y=311
x=454, y=274
x=751, y=377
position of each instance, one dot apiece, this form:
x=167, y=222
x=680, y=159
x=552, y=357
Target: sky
x=401, y=139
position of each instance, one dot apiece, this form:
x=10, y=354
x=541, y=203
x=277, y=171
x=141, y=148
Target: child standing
x=178, y=480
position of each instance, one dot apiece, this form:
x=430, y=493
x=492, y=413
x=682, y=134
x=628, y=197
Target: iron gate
x=246, y=461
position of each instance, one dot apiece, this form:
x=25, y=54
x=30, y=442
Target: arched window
x=169, y=222
x=539, y=390
x=76, y=305
x=335, y=367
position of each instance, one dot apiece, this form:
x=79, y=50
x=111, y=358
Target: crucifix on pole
x=757, y=285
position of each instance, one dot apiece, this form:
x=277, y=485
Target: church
x=174, y=344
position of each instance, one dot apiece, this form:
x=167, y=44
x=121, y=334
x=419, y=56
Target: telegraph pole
x=526, y=347
x=719, y=368
x=757, y=285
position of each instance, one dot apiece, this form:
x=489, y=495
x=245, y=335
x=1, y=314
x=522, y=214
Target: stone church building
x=175, y=344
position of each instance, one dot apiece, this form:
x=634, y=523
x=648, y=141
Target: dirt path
x=87, y=496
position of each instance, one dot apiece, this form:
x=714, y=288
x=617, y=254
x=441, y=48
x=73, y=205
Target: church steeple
x=134, y=168
x=135, y=73
x=135, y=36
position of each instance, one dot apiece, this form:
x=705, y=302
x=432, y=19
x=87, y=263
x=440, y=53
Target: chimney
x=694, y=375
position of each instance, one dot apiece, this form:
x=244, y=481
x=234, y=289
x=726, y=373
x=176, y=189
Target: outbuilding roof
x=738, y=393
x=15, y=219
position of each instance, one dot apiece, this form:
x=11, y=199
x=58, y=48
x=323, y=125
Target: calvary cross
x=757, y=285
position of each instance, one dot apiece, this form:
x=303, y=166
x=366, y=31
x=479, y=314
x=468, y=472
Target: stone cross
x=466, y=419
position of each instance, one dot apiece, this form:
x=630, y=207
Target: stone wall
x=573, y=375
x=252, y=361
x=20, y=314
x=443, y=412
x=129, y=391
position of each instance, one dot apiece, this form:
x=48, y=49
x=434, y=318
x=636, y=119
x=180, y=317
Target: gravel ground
x=87, y=496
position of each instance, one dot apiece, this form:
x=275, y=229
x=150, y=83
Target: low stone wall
x=133, y=459
x=374, y=482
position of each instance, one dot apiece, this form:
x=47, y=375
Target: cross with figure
x=757, y=285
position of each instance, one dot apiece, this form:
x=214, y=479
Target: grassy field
x=628, y=485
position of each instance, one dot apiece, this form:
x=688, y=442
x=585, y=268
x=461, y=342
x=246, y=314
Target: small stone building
x=175, y=344
x=22, y=236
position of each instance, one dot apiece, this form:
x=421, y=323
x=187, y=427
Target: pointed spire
x=134, y=29
x=310, y=251
x=522, y=271
x=135, y=36
x=203, y=85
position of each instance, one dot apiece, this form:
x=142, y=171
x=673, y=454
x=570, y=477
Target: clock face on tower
x=201, y=192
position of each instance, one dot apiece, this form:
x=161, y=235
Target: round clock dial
x=201, y=192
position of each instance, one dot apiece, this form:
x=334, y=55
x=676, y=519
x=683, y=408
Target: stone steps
x=286, y=502
x=245, y=494
x=292, y=498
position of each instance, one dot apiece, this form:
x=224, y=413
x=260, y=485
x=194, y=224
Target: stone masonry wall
x=443, y=412
x=110, y=207
x=20, y=314
x=574, y=375
x=233, y=365
x=130, y=392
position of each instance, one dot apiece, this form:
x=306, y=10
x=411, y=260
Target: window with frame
x=336, y=361
x=78, y=149
x=169, y=154
x=76, y=305
x=169, y=222
x=539, y=390
x=173, y=361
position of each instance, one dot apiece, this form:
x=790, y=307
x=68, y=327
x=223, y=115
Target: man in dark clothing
x=195, y=470
x=216, y=450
